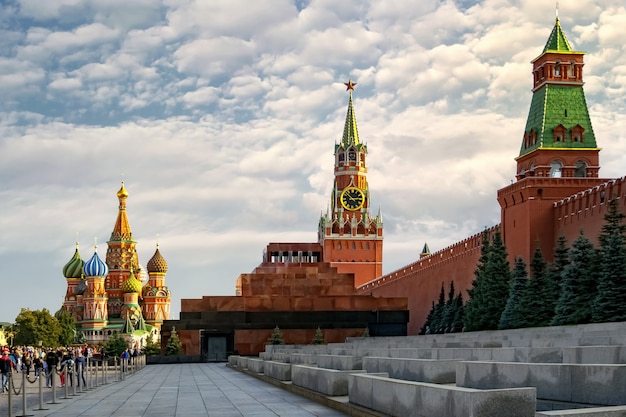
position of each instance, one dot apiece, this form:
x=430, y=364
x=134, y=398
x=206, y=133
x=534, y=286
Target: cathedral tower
x=73, y=273
x=156, y=295
x=95, y=315
x=351, y=238
x=559, y=155
x=121, y=257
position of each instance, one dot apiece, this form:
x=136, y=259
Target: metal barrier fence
x=81, y=379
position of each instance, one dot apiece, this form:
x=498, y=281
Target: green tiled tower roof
x=555, y=105
x=557, y=41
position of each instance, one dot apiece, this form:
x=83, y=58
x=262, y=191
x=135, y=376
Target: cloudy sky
x=221, y=116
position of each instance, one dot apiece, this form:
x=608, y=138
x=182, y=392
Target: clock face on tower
x=352, y=198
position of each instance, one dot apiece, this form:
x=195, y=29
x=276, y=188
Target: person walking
x=67, y=367
x=6, y=368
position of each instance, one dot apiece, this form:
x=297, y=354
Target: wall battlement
x=447, y=255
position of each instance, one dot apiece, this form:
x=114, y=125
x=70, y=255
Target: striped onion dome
x=131, y=284
x=95, y=267
x=74, y=268
x=157, y=263
x=81, y=288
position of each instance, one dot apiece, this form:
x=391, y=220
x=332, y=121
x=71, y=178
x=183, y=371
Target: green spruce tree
x=511, y=316
x=489, y=297
x=561, y=260
x=610, y=303
x=449, y=310
x=173, y=347
x=151, y=348
x=473, y=308
x=457, y=321
x=437, y=325
x=276, y=337
x=318, y=339
x=538, y=302
x=428, y=323
x=578, y=284
x=115, y=345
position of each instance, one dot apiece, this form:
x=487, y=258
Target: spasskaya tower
x=351, y=238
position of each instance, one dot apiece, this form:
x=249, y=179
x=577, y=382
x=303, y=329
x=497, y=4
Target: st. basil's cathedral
x=106, y=297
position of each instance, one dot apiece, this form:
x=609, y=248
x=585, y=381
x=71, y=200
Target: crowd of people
x=44, y=362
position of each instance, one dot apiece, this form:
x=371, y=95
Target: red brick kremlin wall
x=421, y=281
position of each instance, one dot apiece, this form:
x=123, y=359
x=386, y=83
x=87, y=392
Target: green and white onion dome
x=74, y=268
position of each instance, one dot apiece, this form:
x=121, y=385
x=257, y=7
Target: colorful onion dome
x=122, y=193
x=157, y=263
x=74, y=268
x=95, y=267
x=131, y=284
x=81, y=288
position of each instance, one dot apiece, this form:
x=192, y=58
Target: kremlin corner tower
x=107, y=297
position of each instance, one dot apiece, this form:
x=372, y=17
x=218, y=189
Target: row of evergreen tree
x=584, y=284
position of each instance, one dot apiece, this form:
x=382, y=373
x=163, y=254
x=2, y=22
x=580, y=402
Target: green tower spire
x=557, y=42
x=350, y=131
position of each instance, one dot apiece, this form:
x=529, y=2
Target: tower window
x=352, y=156
x=557, y=69
x=556, y=169
x=581, y=169
x=565, y=112
x=559, y=133
x=577, y=133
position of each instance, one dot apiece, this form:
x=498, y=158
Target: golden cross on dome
x=349, y=85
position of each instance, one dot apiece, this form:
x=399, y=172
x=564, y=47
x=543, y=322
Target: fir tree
x=318, y=339
x=437, y=325
x=457, y=321
x=511, y=317
x=610, y=303
x=427, y=327
x=561, y=260
x=115, y=345
x=489, y=296
x=538, y=302
x=276, y=338
x=173, y=347
x=473, y=312
x=449, y=310
x=578, y=284
x=151, y=348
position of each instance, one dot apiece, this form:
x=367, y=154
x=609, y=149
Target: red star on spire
x=349, y=85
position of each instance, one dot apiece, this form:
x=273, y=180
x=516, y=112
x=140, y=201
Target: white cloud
x=222, y=116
